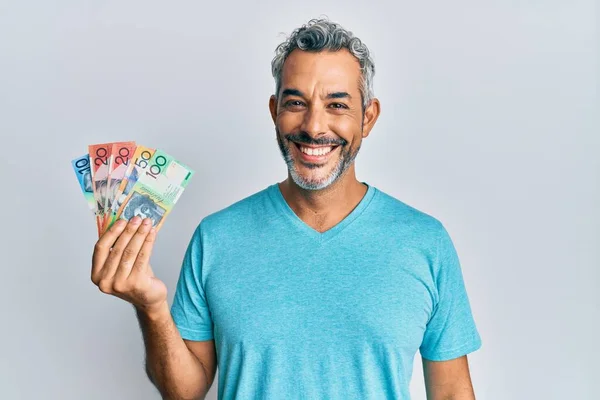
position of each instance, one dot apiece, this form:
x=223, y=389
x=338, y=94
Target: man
x=319, y=287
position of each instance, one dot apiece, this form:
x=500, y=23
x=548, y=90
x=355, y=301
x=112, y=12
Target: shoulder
x=397, y=215
x=417, y=230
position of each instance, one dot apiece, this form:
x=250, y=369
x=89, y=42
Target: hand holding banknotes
x=121, y=264
x=123, y=179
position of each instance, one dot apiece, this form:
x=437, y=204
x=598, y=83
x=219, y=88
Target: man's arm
x=448, y=380
x=121, y=267
x=179, y=369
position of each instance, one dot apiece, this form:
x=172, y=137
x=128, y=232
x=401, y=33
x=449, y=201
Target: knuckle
x=142, y=254
x=116, y=251
x=121, y=287
x=105, y=286
x=128, y=253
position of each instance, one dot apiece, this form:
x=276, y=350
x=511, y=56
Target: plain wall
x=489, y=123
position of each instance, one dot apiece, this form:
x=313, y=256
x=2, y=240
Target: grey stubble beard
x=344, y=162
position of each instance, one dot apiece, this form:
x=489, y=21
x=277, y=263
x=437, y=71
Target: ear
x=370, y=116
x=273, y=107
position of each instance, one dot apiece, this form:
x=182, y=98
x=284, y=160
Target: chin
x=314, y=181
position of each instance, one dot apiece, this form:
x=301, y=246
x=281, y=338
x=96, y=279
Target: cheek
x=347, y=129
x=289, y=122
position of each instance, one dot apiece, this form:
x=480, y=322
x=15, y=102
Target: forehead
x=325, y=70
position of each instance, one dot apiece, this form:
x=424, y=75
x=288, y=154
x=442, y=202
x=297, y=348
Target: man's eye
x=293, y=103
x=338, y=105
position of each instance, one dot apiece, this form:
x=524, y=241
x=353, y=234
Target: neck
x=325, y=208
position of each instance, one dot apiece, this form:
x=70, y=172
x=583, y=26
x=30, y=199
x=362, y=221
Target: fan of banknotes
x=121, y=180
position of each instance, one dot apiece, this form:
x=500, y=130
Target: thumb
x=157, y=284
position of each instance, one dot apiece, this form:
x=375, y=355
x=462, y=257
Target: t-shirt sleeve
x=451, y=330
x=190, y=309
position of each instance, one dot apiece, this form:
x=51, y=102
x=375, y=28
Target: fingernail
x=147, y=221
x=135, y=220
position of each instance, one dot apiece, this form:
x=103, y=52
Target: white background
x=489, y=123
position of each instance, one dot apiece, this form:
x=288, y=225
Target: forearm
x=173, y=369
x=457, y=393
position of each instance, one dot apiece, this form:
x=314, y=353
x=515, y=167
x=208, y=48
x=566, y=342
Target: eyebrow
x=339, y=95
x=332, y=95
x=291, y=92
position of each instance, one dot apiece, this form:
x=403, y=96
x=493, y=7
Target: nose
x=314, y=122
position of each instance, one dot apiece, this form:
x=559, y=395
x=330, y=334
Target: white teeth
x=320, y=151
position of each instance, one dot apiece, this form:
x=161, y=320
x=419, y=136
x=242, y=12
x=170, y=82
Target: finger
x=102, y=248
x=114, y=258
x=142, y=263
x=130, y=253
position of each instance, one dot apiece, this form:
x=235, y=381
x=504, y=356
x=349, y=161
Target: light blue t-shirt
x=298, y=314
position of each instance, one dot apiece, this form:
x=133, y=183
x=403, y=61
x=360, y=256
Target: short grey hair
x=323, y=35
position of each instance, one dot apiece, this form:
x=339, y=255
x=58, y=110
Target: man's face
x=142, y=211
x=318, y=116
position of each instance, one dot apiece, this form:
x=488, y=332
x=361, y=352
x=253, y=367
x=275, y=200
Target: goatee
x=344, y=161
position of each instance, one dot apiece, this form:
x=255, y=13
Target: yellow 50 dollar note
x=139, y=162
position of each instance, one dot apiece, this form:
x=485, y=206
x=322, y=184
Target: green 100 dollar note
x=157, y=190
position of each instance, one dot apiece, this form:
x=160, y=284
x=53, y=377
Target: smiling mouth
x=319, y=151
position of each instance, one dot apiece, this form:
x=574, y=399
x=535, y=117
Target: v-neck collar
x=320, y=237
